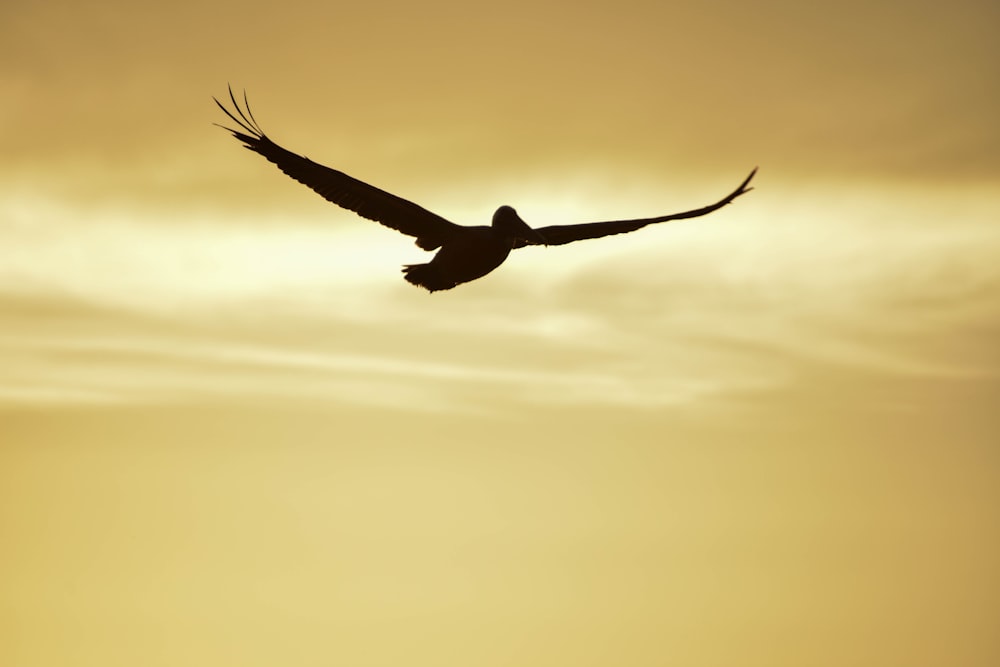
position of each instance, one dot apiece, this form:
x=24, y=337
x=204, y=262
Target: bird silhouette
x=464, y=253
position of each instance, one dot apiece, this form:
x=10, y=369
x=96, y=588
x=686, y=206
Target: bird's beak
x=534, y=236
x=518, y=229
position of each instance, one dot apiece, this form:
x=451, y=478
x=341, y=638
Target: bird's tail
x=427, y=276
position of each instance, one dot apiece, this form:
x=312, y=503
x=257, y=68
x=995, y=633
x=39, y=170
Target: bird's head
x=509, y=223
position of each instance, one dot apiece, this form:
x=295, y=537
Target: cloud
x=124, y=305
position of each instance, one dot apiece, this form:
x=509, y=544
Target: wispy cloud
x=112, y=306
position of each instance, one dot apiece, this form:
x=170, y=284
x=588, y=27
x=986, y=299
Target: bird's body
x=471, y=254
x=463, y=253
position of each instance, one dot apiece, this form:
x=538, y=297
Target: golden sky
x=230, y=433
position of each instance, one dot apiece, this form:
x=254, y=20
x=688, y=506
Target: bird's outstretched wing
x=560, y=234
x=430, y=229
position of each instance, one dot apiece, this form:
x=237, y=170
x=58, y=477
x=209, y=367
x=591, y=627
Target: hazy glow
x=231, y=434
x=815, y=288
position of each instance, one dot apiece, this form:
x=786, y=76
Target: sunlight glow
x=813, y=288
x=232, y=434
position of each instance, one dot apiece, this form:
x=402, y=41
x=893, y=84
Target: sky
x=230, y=433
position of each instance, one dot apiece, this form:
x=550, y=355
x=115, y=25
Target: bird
x=464, y=253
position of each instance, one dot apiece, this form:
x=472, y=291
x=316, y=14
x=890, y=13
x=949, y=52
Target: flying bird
x=464, y=253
